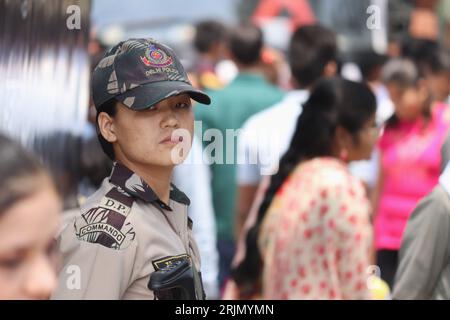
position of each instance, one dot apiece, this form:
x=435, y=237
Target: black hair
x=246, y=43
x=420, y=51
x=110, y=108
x=20, y=173
x=207, y=34
x=310, y=49
x=370, y=63
x=334, y=102
x=428, y=56
x=95, y=164
x=438, y=62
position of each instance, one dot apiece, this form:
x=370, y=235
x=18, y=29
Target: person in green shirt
x=246, y=95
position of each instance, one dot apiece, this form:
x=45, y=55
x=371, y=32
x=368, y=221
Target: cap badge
x=155, y=57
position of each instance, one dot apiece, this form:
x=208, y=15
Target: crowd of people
x=299, y=181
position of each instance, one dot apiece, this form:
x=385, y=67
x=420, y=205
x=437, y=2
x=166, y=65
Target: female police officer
x=136, y=223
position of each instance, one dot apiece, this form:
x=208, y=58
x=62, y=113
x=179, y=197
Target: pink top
x=410, y=164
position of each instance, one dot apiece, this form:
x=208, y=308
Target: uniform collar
x=134, y=185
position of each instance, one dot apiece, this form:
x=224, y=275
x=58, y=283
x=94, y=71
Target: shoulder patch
x=106, y=224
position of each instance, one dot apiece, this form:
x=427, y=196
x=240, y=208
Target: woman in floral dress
x=311, y=237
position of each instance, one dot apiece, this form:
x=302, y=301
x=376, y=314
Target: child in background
x=410, y=158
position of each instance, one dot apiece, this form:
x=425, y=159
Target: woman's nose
x=41, y=279
x=170, y=119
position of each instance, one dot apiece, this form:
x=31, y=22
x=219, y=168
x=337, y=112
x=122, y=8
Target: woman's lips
x=173, y=139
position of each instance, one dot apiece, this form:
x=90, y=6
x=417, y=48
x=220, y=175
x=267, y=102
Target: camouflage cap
x=140, y=73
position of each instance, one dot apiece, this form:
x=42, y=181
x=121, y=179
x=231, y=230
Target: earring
x=344, y=155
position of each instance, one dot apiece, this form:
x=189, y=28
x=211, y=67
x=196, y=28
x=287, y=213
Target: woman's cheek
x=413, y=109
x=188, y=119
x=8, y=284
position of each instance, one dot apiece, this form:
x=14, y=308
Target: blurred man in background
x=246, y=95
x=267, y=134
x=210, y=44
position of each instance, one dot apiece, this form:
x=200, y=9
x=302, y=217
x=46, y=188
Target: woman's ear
x=106, y=127
x=343, y=138
x=343, y=144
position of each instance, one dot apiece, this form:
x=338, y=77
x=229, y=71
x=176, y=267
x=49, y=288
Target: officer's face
x=27, y=249
x=161, y=136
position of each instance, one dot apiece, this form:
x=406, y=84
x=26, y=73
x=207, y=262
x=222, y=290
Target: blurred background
x=48, y=49
x=46, y=66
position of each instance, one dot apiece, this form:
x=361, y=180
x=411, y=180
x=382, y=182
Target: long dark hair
x=334, y=102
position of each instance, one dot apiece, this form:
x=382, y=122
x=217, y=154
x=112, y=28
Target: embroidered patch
x=111, y=204
x=155, y=57
x=106, y=224
x=103, y=227
x=167, y=261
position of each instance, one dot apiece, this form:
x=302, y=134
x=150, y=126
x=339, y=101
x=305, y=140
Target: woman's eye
x=10, y=263
x=183, y=105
